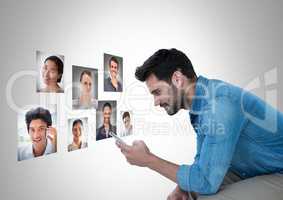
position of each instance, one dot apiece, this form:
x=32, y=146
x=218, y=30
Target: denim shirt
x=235, y=131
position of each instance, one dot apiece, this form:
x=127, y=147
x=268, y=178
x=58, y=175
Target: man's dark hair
x=114, y=60
x=87, y=72
x=38, y=113
x=164, y=63
x=77, y=121
x=126, y=114
x=107, y=105
x=59, y=63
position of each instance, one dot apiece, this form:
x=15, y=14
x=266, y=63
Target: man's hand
x=178, y=194
x=137, y=154
x=114, y=82
x=52, y=135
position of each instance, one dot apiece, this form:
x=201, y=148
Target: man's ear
x=177, y=79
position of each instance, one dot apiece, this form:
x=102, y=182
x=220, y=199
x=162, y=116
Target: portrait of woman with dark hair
x=77, y=132
x=106, y=119
x=51, y=74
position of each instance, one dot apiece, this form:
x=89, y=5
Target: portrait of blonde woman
x=85, y=88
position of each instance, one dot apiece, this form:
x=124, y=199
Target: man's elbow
x=210, y=189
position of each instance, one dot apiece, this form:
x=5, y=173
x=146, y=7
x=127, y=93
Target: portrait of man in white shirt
x=42, y=135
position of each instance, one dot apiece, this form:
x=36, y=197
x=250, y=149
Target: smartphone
x=116, y=137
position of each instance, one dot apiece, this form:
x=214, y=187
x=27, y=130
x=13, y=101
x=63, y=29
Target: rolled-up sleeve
x=183, y=176
x=221, y=135
x=191, y=178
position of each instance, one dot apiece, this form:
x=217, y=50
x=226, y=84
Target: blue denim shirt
x=236, y=131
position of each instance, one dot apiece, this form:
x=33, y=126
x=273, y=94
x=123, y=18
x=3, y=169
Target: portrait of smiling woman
x=84, y=88
x=51, y=69
x=77, y=134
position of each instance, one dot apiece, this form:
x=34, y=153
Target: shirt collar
x=201, y=96
x=110, y=127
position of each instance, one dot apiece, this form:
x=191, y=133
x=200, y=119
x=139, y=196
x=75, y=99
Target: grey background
x=236, y=41
x=77, y=70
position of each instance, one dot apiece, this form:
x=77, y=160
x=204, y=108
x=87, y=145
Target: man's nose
x=36, y=134
x=156, y=101
x=46, y=73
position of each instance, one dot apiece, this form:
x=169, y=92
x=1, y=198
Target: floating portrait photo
x=77, y=133
x=125, y=123
x=106, y=117
x=37, y=132
x=113, y=73
x=50, y=72
x=84, y=88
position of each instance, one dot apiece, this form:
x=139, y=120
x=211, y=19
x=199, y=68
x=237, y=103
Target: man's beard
x=177, y=102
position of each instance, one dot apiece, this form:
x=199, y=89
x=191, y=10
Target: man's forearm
x=163, y=167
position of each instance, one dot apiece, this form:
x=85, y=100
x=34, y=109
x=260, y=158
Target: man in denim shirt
x=239, y=136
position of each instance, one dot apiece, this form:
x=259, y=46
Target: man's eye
x=157, y=93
